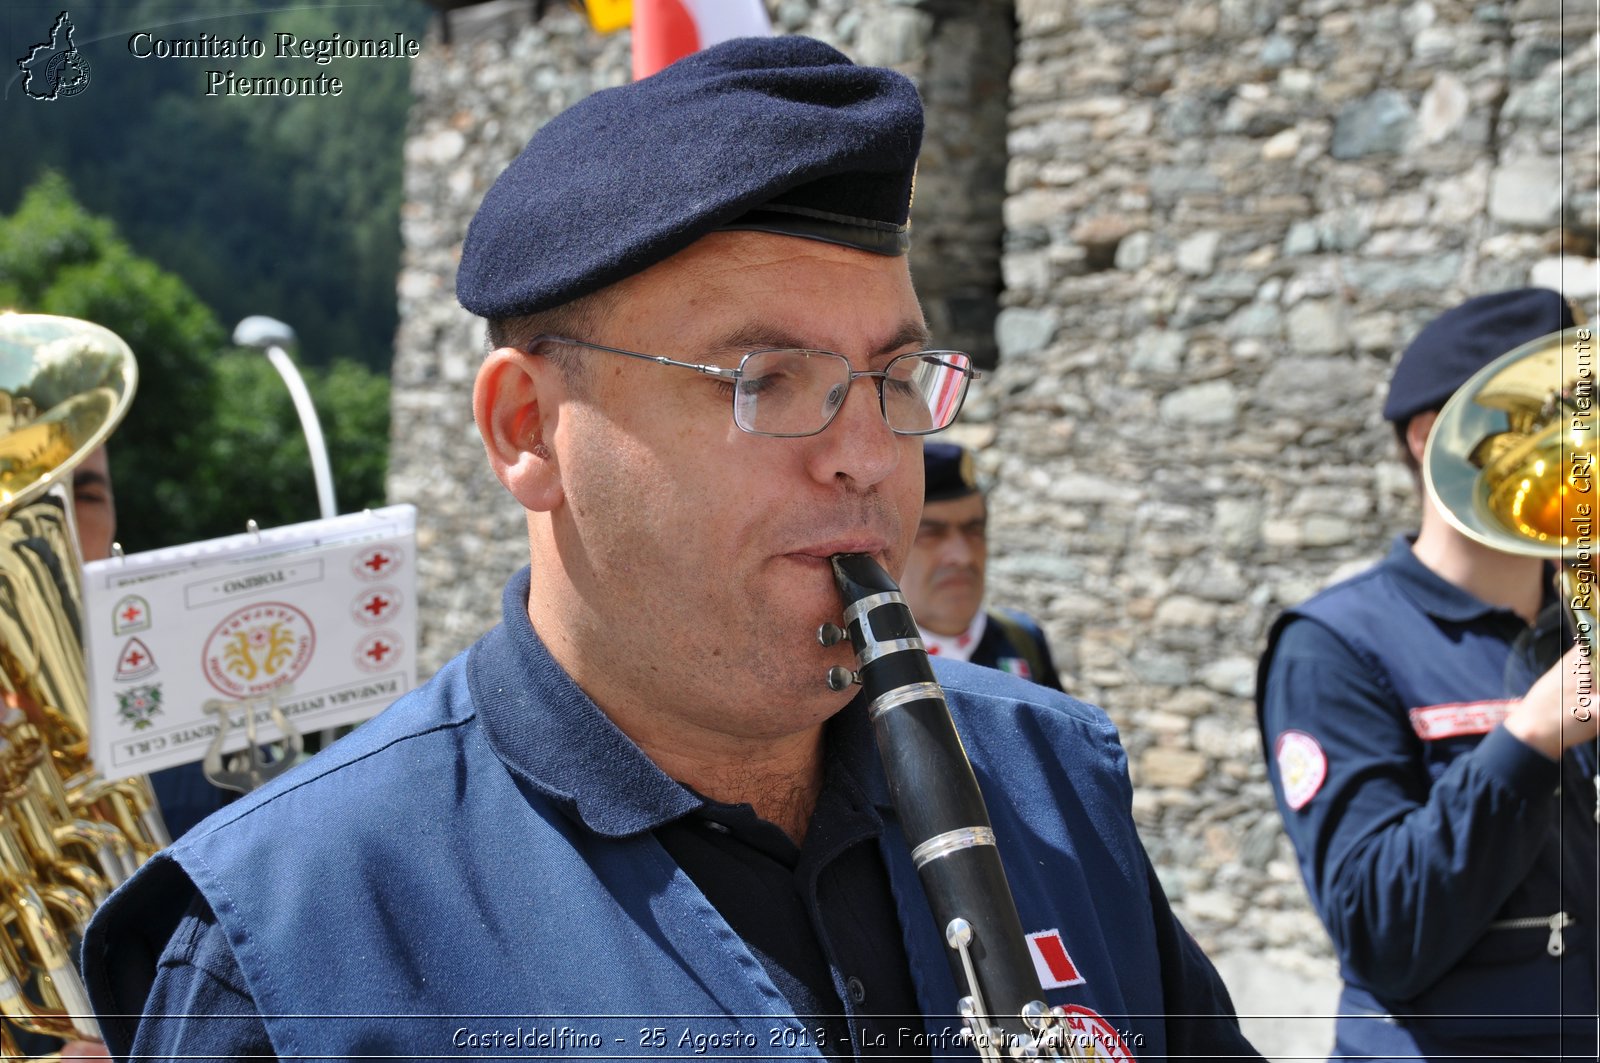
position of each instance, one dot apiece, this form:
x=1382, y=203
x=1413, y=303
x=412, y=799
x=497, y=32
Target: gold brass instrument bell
x=1511, y=460
x=67, y=835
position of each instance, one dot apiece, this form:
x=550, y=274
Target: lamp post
x=272, y=336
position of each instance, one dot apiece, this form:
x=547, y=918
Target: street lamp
x=272, y=336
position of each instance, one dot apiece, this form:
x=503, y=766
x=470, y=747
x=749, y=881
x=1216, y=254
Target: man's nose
x=859, y=445
x=956, y=549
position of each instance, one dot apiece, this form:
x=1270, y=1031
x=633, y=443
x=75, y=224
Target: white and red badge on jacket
x=1433, y=722
x=1302, y=767
x=1051, y=962
x=1095, y=1038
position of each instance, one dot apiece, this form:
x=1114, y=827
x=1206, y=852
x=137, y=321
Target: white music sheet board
x=319, y=616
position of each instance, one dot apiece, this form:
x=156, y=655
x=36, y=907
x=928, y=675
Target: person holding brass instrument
x=944, y=576
x=68, y=835
x=1431, y=747
x=643, y=816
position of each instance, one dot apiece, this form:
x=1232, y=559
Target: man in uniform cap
x=634, y=820
x=944, y=576
x=1435, y=785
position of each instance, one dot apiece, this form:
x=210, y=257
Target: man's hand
x=1561, y=709
x=84, y=1050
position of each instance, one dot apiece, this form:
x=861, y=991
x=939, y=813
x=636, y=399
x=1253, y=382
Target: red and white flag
x=665, y=31
x=1051, y=962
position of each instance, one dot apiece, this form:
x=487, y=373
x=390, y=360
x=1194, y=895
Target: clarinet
x=946, y=822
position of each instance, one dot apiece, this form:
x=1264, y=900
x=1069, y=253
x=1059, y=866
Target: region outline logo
x=55, y=69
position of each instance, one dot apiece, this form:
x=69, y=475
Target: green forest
x=168, y=215
x=212, y=439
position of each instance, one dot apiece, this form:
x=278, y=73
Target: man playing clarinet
x=635, y=820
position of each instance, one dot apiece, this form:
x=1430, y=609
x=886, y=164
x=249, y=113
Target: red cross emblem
x=135, y=661
x=377, y=563
x=375, y=606
x=131, y=614
x=379, y=651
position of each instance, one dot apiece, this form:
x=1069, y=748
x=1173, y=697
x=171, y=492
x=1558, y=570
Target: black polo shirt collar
x=547, y=730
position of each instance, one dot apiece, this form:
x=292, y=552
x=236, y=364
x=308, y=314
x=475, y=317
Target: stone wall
x=1223, y=221
x=1209, y=228
x=477, y=101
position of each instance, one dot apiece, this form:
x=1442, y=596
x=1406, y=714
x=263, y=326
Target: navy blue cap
x=779, y=134
x=948, y=471
x=1463, y=340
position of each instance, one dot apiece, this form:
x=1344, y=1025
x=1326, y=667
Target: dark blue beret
x=780, y=134
x=1463, y=340
x=948, y=471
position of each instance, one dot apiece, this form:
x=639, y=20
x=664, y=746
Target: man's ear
x=514, y=401
x=1417, y=430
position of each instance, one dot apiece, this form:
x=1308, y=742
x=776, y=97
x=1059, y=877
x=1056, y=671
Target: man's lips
x=822, y=551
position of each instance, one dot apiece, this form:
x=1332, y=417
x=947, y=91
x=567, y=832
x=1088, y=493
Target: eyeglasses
x=790, y=392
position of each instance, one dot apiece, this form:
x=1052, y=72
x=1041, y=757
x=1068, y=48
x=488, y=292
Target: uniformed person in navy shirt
x=1433, y=763
x=635, y=820
x=944, y=578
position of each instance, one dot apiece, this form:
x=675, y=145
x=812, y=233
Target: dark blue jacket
x=476, y=866
x=1013, y=642
x=1440, y=851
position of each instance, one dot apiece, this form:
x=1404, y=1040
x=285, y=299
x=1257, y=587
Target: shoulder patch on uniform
x=1302, y=767
x=1433, y=722
x=1051, y=962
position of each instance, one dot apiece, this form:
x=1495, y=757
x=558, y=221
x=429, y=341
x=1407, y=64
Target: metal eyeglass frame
x=735, y=375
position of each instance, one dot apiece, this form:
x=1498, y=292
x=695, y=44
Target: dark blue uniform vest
x=1448, y=860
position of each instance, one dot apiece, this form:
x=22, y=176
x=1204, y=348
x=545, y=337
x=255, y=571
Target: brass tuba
x=1511, y=460
x=67, y=835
